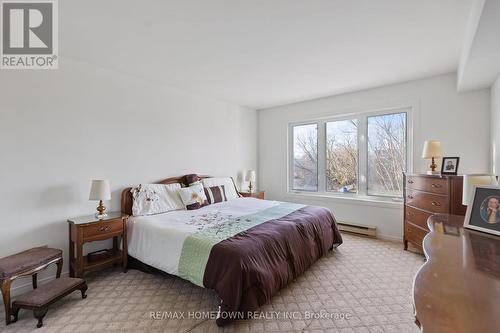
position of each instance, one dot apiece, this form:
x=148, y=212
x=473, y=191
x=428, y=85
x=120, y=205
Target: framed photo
x=450, y=165
x=483, y=214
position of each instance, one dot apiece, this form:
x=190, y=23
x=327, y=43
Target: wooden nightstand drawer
x=426, y=201
x=417, y=216
x=103, y=229
x=428, y=184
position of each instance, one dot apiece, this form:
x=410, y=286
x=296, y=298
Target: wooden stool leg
x=59, y=268
x=34, y=279
x=83, y=289
x=6, y=300
x=39, y=314
x=15, y=313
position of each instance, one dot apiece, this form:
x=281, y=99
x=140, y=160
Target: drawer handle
x=434, y=203
x=409, y=214
x=410, y=181
x=436, y=185
x=410, y=196
x=106, y=228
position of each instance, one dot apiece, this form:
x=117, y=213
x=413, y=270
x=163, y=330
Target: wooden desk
x=458, y=288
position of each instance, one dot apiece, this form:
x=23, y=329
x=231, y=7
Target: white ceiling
x=262, y=53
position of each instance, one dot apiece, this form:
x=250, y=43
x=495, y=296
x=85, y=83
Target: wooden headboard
x=127, y=196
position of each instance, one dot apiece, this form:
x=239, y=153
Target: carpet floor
x=364, y=286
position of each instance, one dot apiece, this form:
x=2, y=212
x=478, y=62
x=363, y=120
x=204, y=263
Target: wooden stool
x=40, y=299
x=26, y=263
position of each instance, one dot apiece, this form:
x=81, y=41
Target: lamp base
x=430, y=172
x=101, y=211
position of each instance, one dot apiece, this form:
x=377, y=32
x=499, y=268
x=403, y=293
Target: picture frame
x=483, y=213
x=449, y=165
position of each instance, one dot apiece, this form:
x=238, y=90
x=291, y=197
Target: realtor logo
x=29, y=34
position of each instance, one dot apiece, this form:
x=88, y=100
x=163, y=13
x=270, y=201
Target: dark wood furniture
x=425, y=195
x=40, y=299
x=258, y=194
x=89, y=229
x=458, y=288
x=26, y=263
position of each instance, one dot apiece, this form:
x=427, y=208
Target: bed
x=246, y=249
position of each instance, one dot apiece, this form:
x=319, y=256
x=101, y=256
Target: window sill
x=352, y=199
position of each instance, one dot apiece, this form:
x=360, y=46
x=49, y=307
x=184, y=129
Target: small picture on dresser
x=483, y=214
x=450, y=165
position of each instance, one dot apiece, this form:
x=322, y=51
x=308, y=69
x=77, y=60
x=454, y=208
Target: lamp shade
x=251, y=176
x=100, y=190
x=472, y=180
x=432, y=149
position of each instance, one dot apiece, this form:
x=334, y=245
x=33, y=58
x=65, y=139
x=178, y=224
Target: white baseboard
x=390, y=238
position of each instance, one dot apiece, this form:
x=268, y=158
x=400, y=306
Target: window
x=305, y=157
x=386, y=154
x=342, y=156
x=359, y=155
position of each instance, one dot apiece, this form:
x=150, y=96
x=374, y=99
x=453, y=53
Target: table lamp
x=251, y=177
x=432, y=150
x=472, y=180
x=100, y=191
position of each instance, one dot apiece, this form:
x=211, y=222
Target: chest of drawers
x=426, y=195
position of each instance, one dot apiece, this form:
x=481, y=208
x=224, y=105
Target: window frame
x=362, y=119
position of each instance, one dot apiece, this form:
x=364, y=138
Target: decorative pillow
x=228, y=184
x=193, y=197
x=215, y=194
x=149, y=199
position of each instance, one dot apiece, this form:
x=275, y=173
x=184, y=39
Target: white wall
x=59, y=129
x=459, y=121
x=495, y=127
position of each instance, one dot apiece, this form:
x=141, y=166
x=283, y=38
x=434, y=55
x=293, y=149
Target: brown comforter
x=247, y=269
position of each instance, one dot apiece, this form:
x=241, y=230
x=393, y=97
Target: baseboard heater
x=359, y=229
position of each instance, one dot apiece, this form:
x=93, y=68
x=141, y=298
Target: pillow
x=193, y=197
x=215, y=194
x=149, y=199
x=228, y=186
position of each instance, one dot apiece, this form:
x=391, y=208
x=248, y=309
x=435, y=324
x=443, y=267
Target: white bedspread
x=157, y=240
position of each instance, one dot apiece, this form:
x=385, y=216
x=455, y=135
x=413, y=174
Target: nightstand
x=87, y=229
x=258, y=194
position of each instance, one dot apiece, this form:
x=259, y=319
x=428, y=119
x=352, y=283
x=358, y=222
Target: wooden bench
x=40, y=299
x=26, y=263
